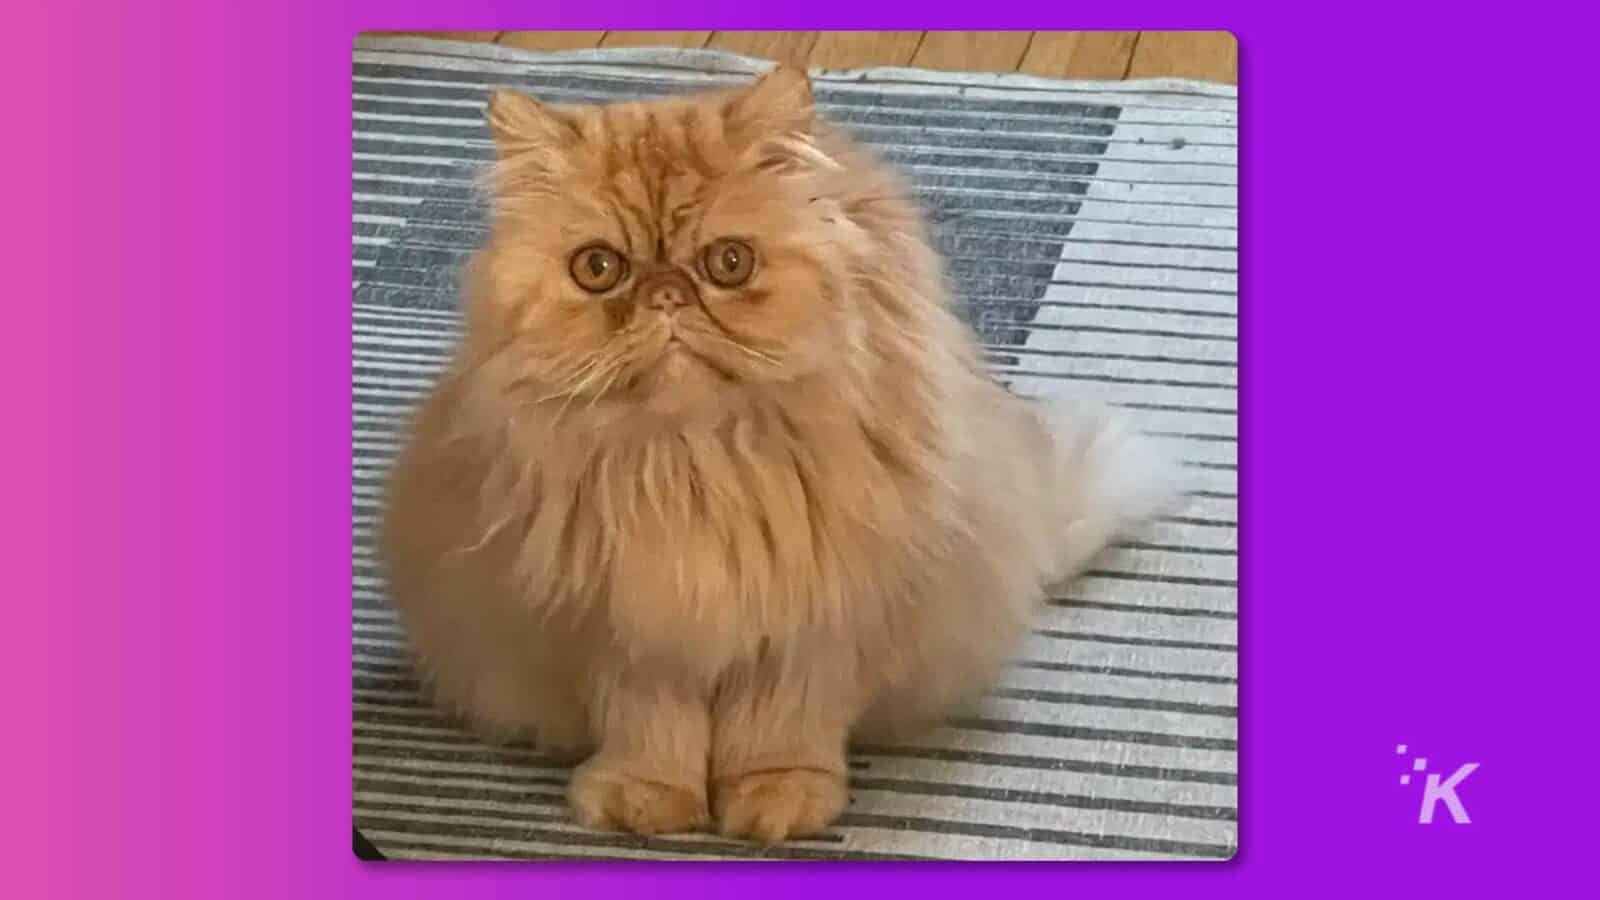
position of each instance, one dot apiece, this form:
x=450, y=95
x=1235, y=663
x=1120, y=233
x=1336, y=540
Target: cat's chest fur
x=722, y=540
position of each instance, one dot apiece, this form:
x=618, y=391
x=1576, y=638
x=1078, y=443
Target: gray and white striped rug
x=1092, y=228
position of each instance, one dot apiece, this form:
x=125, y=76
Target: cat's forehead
x=656, y=168
x=659, y=146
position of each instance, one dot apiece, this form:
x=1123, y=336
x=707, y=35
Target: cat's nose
x=666, y=291
x=667, y=296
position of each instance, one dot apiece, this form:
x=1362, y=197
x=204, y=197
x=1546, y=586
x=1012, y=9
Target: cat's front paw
x=772, y=805
x=606, y=798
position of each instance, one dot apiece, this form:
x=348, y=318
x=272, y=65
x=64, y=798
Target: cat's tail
x=1109, y=480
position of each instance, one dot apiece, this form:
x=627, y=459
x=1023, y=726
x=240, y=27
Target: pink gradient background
x=178, y=462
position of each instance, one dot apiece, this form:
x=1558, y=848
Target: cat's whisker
x=753, y=352
x=606, y=388
x=597, y=368
x=565, y=388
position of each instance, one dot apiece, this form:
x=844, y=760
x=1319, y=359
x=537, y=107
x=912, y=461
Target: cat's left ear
x=779, y=103
x=520, y=123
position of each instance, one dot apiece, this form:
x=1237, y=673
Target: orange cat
x=717, y=481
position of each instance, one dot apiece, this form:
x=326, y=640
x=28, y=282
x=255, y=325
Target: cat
x=716, y=482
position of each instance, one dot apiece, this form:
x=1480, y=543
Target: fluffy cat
x=717, y=482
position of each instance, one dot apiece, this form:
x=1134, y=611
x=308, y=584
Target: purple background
x=177, y=481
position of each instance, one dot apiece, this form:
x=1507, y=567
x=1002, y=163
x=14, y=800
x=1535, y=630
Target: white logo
x=1436, y=790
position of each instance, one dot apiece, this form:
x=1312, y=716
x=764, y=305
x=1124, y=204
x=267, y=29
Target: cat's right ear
x=521, y=124
x=778, y=103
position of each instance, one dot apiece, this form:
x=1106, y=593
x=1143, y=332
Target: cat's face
x=663, y=253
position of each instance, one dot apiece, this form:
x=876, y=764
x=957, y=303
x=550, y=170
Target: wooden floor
x=1204, y=55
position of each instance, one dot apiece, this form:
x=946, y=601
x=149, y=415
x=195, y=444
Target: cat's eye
x=597, y=268
x=730, y=263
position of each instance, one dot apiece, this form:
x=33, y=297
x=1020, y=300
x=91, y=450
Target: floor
x=1203, y=55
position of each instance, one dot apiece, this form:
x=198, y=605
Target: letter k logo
x=1436, y=790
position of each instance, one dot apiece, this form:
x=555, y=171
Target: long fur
x=704, y=568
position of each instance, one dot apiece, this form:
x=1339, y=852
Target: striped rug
x=1092, y=229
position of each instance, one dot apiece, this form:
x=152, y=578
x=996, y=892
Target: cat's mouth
x=678, y=355
x=674, y=342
